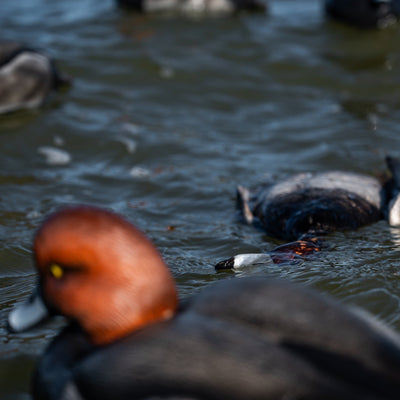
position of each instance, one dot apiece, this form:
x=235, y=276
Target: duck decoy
x=194, y=6
x=250, y=338
x=27, y=77
x=303, y=208
x=364, y=13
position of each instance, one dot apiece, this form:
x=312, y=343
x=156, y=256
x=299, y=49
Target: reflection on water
x=167, y=115
x=395, y=236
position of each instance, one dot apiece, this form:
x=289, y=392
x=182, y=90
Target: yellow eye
x=56, y=271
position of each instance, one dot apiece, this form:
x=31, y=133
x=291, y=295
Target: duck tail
x=242, y=202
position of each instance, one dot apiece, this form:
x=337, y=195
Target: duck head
x=100, y=271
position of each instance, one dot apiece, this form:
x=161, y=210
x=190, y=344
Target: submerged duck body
x=127, y=338
x=27, y=77
x=306, y=206
x=319, y=203
x=314, y=202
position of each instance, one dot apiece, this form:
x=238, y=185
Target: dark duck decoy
x=303, y=208
x=27, y=77
x=250, y=338
x=364, y=13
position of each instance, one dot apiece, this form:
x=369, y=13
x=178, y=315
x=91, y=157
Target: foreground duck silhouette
x=27, y=77
x=250, y=338
x=306, y=206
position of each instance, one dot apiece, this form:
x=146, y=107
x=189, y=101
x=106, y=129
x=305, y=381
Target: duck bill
x=28, y=314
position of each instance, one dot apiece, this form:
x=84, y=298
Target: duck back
x=314, y=203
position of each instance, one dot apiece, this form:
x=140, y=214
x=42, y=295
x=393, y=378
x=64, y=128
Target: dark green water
x=168, y=114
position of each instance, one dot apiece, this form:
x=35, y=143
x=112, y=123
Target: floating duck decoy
x=364, y=13
x=306, y=206
x=194, y=6
x=250, y=338
x=27, y=77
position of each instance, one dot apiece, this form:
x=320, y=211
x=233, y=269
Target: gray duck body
x=319, y=203
x=27, y=77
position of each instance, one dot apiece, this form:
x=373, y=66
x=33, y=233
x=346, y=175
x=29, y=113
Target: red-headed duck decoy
x=27, y=77
x=303, y=207
x=194, y=6
x=249, y=338
x=364, y=13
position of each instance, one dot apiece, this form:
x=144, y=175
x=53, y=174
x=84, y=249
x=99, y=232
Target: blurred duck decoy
x=306, y=206
x=364, y=13
x=27, y=77
x=251, y=338
x=194, y=6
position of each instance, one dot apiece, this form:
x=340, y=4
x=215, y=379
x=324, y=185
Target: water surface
x=168, y=114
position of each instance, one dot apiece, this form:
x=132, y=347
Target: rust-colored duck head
x=99, y=270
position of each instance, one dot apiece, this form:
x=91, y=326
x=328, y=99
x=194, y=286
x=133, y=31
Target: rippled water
x=168, y=114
